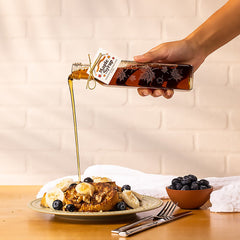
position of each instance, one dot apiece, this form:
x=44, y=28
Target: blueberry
x=204, y=182
x=70, y=208
x=121, y=206
x=171, y=187
x=185, y=187
x=57, y=205
x=88, y=180
x=201, y=187
x=175, y=181
x=180, y=179
x=72, y=185
x=194, y=186
x=186, y=180
x=178, y=186
x=192, y=177
x=126, y=187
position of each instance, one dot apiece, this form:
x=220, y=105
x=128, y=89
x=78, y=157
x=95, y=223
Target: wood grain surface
x=17, y=221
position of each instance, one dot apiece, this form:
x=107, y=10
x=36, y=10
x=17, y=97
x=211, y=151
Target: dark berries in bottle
x=121, y=206
x=57, y=205
x=88, y=180
x=126, y=187
x=70, y=208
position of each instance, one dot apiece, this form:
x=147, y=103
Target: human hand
x=182, y=51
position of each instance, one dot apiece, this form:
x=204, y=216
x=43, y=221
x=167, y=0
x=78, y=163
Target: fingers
x=168, y=93
x=157, y=93
x=144, y=91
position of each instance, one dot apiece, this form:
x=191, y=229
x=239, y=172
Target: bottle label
x=103, y=66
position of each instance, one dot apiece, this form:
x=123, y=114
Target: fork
x=166, y=211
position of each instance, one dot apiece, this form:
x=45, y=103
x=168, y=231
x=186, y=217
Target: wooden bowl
x=189, y=199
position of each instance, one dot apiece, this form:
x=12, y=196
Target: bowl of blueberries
x=189, y=192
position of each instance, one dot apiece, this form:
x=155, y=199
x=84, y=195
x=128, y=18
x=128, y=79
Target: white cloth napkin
x=224, y=198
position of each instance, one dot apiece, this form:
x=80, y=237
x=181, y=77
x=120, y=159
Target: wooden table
x=17, y=221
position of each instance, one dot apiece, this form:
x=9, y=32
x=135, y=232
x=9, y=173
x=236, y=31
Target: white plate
x=148, y=203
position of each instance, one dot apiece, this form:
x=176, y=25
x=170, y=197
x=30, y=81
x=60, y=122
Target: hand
x=182, y=51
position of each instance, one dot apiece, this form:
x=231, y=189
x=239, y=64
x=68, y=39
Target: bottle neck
x=79, y=71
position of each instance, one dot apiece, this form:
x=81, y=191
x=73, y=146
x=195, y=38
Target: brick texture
x=59, y=27
x=233, y=164
x=146, y=162
x=195, y=119
x=161, y=8
x=202, y=164
x=194, y=132
x=26, y=50
x=234, y=75
x=211, y=74
x=221, y=97
x=93, y=8
x=30, y=8
x=127, y=118
x=131, y=28
x=219, y=142
x=16, y=27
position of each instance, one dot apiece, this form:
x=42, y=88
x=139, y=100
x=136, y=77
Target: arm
x=217, y=30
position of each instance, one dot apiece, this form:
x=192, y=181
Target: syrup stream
x=70, y=84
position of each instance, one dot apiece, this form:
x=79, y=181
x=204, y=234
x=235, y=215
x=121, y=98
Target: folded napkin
x=224, y=198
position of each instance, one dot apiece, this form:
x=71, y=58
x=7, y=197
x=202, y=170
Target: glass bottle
x=146, y=75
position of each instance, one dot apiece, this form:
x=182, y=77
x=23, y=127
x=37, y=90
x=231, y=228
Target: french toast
x=92, y=195
x=104, y=198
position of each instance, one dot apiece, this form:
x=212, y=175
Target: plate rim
x=158, y=203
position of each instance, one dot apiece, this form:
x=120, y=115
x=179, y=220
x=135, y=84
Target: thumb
x=151, y=56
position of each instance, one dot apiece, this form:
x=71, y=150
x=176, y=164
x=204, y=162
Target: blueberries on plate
x=121, y=206
x=189, y=182
x=88, y=180
x=70, y=208
x=57, y=205
x=72, y=185
x=126, y=187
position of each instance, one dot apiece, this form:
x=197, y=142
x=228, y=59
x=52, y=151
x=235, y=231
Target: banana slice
x=130, y=199
x=85, y=188
x=52, y=195
x=64, y=184
x=138, y=195
x=101, y=179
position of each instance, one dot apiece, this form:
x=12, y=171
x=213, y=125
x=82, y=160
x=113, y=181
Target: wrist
x=197, y=46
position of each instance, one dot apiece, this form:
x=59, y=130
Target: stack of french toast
x=93, y=194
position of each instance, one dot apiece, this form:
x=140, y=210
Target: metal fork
x=166, y=211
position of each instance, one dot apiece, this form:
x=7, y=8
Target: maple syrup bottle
x=146, y=75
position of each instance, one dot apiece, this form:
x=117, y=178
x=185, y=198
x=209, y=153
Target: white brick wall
x=195, y=132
